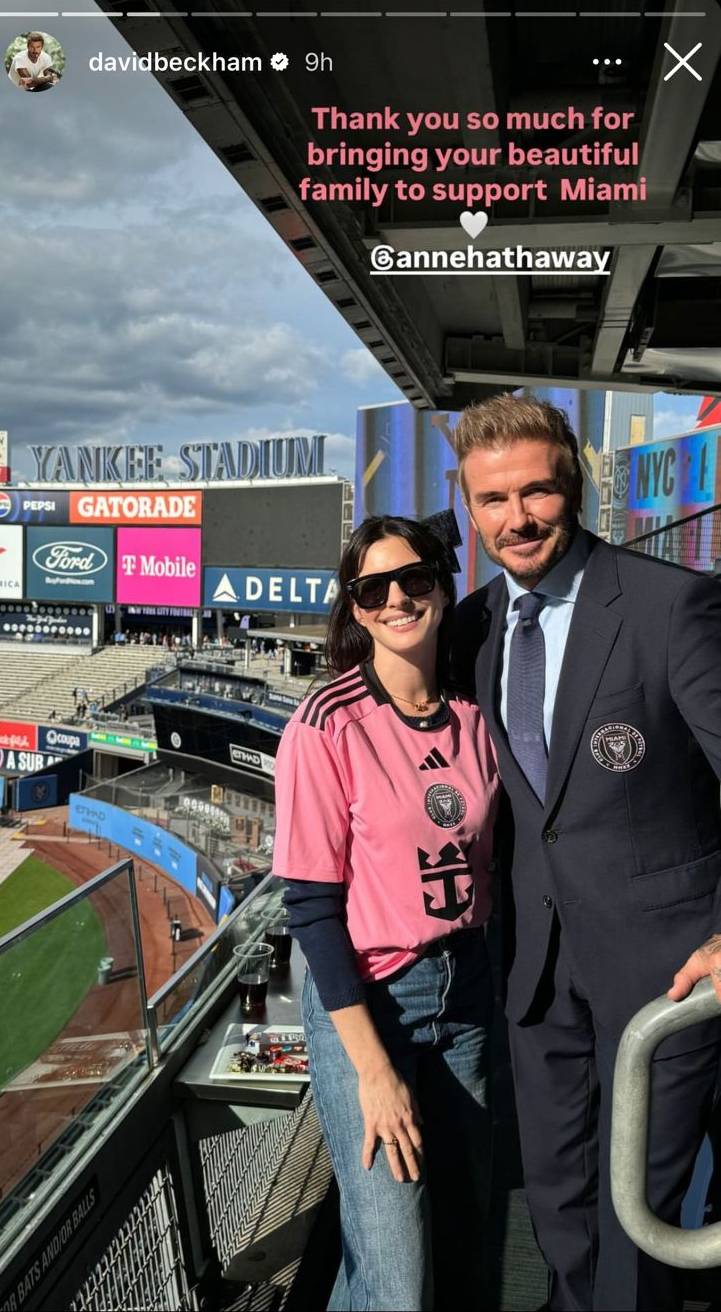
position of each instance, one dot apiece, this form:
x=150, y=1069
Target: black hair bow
x=445, y=526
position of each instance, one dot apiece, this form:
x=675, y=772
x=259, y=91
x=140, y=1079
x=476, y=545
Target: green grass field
x=45, y=978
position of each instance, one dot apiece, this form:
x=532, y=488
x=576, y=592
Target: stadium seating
x=32, y=684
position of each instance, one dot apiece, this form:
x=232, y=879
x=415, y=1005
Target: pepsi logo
x=6, y=505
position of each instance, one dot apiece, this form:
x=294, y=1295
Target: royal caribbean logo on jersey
x=618, y=747
x=445, y=805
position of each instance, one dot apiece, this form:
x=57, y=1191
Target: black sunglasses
x=370, y=591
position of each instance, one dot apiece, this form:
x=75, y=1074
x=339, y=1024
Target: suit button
x=549, y=836
x=548, y=902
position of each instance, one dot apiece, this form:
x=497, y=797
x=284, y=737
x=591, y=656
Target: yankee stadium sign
x=277, y=457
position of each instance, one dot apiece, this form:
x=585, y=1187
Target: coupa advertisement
x=70, y=564
x=158, y=566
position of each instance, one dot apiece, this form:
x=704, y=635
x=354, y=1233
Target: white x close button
x=683, y=61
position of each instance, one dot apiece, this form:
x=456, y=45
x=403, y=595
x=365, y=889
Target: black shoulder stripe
x=340, y=703
x=328, y=690
x=333, y=701
x=331, y=697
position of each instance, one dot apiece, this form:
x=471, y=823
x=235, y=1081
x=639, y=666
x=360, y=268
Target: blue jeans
x=413, y=1246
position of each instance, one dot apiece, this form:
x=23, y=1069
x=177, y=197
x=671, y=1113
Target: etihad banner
x=162, y=507
x=11, y=561
x=158, y=566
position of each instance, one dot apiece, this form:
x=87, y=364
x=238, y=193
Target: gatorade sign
x=154, y=507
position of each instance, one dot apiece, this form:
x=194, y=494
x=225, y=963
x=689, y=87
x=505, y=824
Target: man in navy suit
x=599, y=673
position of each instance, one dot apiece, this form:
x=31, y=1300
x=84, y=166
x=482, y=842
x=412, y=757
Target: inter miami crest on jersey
x=445, y=805
x=450, y=863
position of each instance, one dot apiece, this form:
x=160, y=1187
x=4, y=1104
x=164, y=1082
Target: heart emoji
x=473, y=224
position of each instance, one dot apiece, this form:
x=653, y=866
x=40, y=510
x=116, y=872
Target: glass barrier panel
x=73, y=1028
x=175, y=1004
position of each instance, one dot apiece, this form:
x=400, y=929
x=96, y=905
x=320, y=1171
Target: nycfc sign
x=217, y=462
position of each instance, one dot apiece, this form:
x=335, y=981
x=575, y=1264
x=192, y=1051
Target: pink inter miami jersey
x=402, y=815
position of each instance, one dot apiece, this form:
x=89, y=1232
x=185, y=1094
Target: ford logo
x=78, y=558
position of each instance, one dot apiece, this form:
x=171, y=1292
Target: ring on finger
x=391, y=1143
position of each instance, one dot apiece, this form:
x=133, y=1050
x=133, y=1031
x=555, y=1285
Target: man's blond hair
x=503, y=420
x=35, y=36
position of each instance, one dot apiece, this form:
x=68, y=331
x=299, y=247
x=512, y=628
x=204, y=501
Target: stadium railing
x=150, y=1207
x=688, y=1249
x=694, y=541
x=66, y=977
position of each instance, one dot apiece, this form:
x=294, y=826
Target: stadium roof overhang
x=652, y=323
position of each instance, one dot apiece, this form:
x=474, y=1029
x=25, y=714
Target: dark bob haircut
x=348, y=643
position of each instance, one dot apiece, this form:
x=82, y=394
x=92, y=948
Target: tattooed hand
x=706, y=960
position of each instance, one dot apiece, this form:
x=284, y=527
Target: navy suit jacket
x=627, y=847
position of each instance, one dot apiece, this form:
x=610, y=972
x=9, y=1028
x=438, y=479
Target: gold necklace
x=421, y=707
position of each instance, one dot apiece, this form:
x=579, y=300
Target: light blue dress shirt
x=561, y=586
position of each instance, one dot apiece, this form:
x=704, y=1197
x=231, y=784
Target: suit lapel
x=489, y=656
x=591, y=638
x=488, y=685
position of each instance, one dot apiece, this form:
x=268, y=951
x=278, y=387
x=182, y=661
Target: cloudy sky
x=144, y=297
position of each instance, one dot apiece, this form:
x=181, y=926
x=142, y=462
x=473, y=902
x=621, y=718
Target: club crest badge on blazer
x=618, y=747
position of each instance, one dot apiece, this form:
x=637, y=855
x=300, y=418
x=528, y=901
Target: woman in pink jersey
x=385, y=794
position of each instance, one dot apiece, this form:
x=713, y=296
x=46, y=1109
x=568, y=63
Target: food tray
x=262, y=1048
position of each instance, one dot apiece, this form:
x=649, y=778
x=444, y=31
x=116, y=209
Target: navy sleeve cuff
x=317, y=921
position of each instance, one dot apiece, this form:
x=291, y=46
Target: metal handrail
x=64, y=903
x=82, y=894
x=205, y=950
x=688, y=1249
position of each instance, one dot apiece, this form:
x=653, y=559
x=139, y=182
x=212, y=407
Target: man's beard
x=562, y=533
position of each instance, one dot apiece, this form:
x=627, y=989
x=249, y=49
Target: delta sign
x=310, y=592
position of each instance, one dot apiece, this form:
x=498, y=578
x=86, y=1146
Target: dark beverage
x=253, y=992
x=282, y=943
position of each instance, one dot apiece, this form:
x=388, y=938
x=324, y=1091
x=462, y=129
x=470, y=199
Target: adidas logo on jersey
x=434, y=761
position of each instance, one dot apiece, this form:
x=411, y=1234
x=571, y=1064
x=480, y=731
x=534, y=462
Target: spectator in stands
x=388, y=889
x=599, y=673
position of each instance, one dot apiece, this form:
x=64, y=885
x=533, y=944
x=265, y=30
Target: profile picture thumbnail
x=35, y=61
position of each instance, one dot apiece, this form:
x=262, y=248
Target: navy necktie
x=526, y=687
